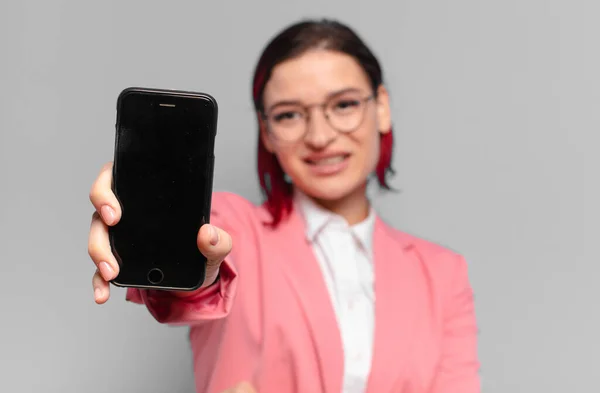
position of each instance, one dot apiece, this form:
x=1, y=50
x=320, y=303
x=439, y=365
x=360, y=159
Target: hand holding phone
x=108, y=213
x=152, y=203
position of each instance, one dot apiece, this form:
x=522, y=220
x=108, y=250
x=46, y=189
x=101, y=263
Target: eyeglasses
x=288, y=122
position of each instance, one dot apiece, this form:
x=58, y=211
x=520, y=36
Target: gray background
x=496, y=116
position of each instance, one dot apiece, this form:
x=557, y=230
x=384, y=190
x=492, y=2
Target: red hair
x=290, y=43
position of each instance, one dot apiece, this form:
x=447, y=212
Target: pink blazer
x=269, y=319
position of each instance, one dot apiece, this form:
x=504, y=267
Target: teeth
x=329, y=160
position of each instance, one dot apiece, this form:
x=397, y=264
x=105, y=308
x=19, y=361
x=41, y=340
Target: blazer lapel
x=305, y=277
x=395, y=292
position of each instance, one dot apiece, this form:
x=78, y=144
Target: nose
x=319, y=133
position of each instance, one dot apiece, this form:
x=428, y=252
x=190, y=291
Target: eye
x=345, y=105
x=286, y=116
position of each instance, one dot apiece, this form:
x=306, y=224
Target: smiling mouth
x=327, y=161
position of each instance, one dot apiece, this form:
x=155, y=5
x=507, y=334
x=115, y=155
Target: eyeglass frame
x=323, y=105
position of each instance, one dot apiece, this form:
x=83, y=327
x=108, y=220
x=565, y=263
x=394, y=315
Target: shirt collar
x=317, y=218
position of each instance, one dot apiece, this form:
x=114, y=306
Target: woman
x=317, y=293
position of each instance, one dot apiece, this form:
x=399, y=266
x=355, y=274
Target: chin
x=331, y=189
x=328, y=182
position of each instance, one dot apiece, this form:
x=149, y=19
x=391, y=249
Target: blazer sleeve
x=214, y=302
x=459, y=366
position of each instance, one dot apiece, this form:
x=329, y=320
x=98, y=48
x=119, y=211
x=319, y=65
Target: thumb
x=215, y=244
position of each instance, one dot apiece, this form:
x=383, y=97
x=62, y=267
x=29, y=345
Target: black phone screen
x=163, y=179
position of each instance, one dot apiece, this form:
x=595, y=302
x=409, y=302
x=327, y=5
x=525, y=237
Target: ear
x=384, y=117
x=264, y=134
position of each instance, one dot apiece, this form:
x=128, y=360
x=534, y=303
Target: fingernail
x=108, y=214
x=214, y=236
x=106, y=271
x=97, y=293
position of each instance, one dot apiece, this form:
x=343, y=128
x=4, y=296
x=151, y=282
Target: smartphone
x=162, y=177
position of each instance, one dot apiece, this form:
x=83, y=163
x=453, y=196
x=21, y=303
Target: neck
x=354, y=207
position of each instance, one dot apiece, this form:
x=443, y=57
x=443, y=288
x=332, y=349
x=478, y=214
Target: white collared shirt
x=345, y=256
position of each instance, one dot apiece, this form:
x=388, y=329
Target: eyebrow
x=328, y=97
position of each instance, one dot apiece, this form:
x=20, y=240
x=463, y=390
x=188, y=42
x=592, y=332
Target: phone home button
x=155, y=276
